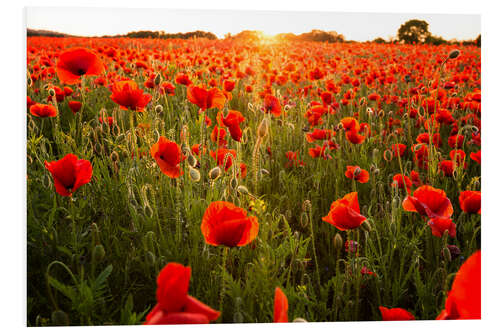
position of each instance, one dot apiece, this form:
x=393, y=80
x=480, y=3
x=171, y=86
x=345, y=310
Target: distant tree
x=413, y=31
x=379, y=40
x=478, y=41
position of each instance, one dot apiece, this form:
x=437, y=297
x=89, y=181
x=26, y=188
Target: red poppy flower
x=206, y=99
x=168, y=156
x=174, y=305
x=280, y=306
x=439, y=225
x=183, y=79
x=128, y=95
x=167, y=88
x=226, y=224
x=398, y=149
x=233, y=121
x=220, y=155
x=350, y=123
x=75, y=63
x=293, y=160
x=428, y=201
x=464, y=298
x=400, y=182
x=69, y=173
x=74, y=106
x=476, y=156
x=354, y=137
x=344, y=213
x=228, y=85
x=470, y=201
x=358, y=174
x=319, y=151
x=272, y=105
x=43, y=110
x=447, y=167
x=319, y=134
x=218, y=136
x=415, y=178
x=395, y=314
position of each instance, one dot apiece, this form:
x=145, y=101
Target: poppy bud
x=338, y=241
x=192, y=160
x=393, y=227
x=150, y=240
x=159, y=109
x=237, y=317
x=366, y=226
x=114, y=156
x=233, y=183
x=376, y=172
x=454, y=251
x=445, y=252
x=263, y=128
x=194, y=174
x=99, y=252
x=299, y=320
x=150, y=258
x=52, y=92
x=444, y=238
x=60, y=318
x=407, y=78
x=356, y=172
x=369, y=112
x=304, y=219
x=214, y=173
x=157, y=79
x=454, y=54
x=242, y=189
x=306, y=205
x=185, y=148
x=264, y=172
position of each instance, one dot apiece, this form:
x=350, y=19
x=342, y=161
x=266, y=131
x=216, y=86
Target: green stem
x=222, y=286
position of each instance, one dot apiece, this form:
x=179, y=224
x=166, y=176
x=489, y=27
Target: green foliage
x=413, y=32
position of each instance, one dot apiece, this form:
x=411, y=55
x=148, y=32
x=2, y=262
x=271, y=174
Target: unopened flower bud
x=150, y=235
x=299, y=320
x=263, y=128
x=445, y=252
x=454, y=54
x=60, y=318
x=233, y=183
x=191, y=160
x=338, y=241
x=242, y=189
x=157, y=79
x=159, y=109
x=214, y=173
x=99, y=252
x=194, y=174
x=366, y=226
x=52, y=92
x=150, y=258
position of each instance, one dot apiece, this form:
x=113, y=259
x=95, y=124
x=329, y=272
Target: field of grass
x=94, y=256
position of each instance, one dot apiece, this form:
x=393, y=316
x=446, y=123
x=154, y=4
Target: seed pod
x=99, y=252
x=159, y=109
x=185, y=148
x=214, y=173
x=454, y=54
x=263, y=128
x=52, y=92
x=59, y=318
x=194, y=174
x=304, y=219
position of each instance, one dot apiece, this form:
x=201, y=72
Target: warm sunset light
x=205, y=167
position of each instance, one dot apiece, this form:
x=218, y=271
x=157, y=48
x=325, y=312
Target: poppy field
x=230, y=181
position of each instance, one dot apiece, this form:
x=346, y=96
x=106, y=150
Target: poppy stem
x=314, y=248
x=222, y=285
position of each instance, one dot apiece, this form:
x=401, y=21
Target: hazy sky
x=354, y=26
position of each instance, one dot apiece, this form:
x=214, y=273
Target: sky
x=354, y=26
